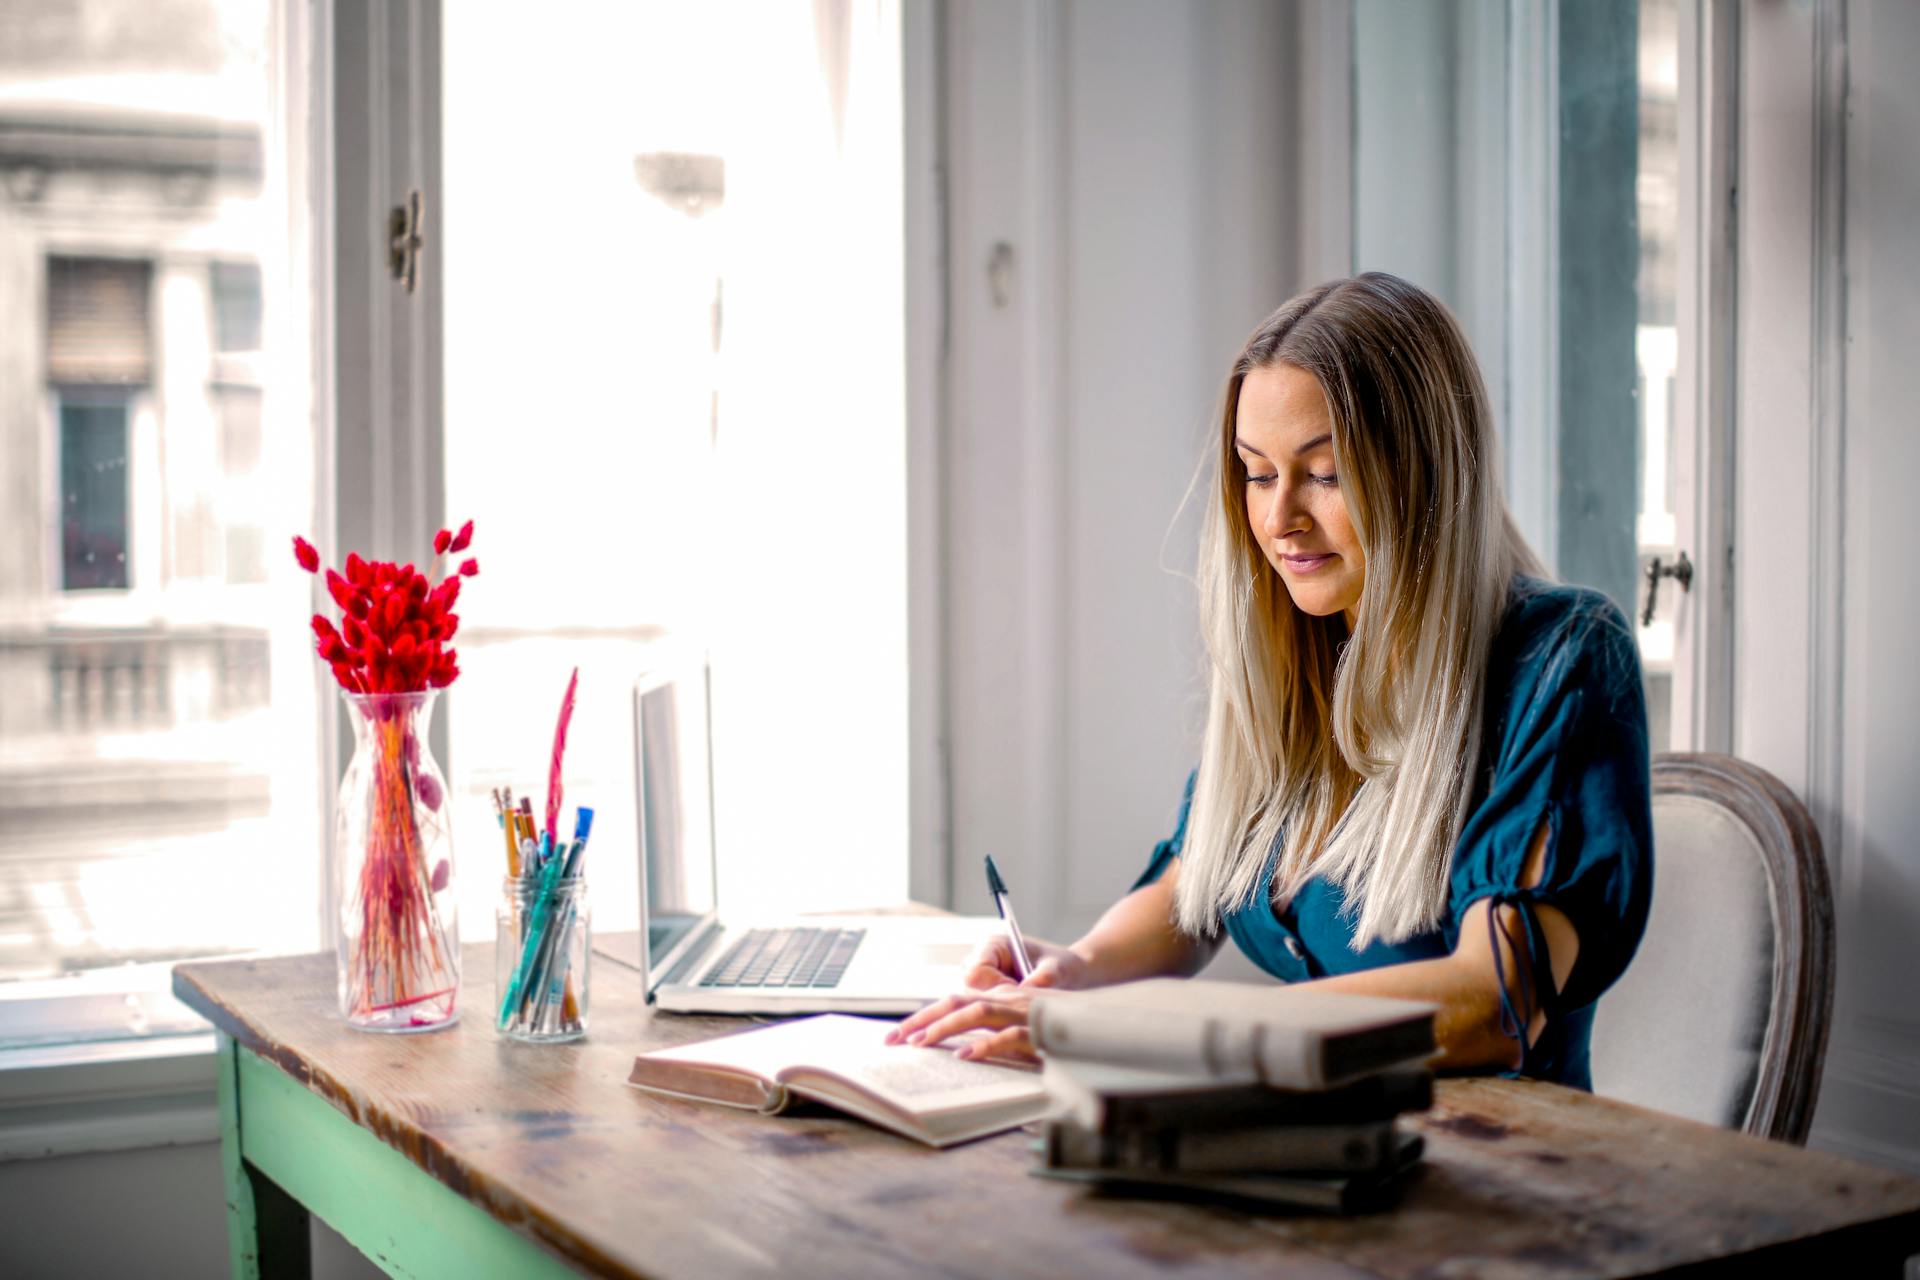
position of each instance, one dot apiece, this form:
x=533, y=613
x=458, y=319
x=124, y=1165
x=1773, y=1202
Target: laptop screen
x=676, y=811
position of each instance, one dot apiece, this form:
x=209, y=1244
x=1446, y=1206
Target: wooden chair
x=1723, y=1014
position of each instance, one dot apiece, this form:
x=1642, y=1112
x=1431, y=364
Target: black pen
x=998, y=888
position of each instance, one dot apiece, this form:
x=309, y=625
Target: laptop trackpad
x=942, y=955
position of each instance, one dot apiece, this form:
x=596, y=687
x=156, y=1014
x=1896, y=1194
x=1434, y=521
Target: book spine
x=1282, y=1149
x=1212, y=1047
x=1336, y=1194
x=1321, y=1148
x=1378, y=1098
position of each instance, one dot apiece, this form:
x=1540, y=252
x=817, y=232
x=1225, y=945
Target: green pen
x=542, y=908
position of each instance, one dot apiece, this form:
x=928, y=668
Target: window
x=156, y=728
x=162, y=740
x=595, y=388
x=93, y=491
x=236, y=305
x=674, y=406
x=1522, y=162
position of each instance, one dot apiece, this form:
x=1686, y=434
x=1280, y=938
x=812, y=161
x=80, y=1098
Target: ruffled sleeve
x=1167, y=850
x=1570, y=751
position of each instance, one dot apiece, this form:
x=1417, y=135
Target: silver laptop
x=693, y=959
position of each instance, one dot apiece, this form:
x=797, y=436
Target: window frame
x=1704, y=389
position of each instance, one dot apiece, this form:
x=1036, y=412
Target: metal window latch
x=1681, y=571
x=406, y=239
x=1000, y=273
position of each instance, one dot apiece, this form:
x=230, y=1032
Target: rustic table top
x=1520, y=1178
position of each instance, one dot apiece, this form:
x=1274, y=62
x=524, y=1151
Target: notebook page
x=915, y=1079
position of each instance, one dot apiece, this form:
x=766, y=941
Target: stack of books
x=1223, y=1091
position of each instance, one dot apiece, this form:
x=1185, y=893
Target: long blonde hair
x=1366, y=743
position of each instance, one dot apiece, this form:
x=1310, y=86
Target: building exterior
x=131, y=454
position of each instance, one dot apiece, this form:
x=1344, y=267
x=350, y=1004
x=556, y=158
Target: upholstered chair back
x=1723, y=1014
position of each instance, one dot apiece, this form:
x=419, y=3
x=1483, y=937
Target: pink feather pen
x=553, y=773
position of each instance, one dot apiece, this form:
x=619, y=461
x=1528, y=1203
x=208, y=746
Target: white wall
x=1134, y=159
x=163, y=1210
x=1870, y=1103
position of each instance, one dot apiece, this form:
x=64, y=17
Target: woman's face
x=1294, y=505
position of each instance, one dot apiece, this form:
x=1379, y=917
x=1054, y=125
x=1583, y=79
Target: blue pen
x=577, y=853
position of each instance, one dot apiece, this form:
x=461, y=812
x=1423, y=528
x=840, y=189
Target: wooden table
x=461, y=1153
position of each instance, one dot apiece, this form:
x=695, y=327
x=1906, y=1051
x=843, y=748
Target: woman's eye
x=1260, y=482
x=1328, y=480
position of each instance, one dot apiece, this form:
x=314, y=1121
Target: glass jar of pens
x=542, y=937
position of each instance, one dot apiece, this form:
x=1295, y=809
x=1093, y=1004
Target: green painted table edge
x=287, y=1153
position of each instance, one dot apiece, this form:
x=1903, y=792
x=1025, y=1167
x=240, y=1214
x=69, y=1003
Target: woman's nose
x=1284, y=514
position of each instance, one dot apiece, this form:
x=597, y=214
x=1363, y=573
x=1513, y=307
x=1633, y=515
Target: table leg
x=267, y=1229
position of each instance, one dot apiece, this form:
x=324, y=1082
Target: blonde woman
x=1424, y=770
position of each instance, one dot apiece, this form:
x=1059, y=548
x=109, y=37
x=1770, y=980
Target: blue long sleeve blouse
x=1565, y=743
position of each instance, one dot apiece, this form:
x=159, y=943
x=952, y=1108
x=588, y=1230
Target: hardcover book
x=1285, y=1148
x=1337, y=1193
x=1290, y=1037
x=1108, y=1098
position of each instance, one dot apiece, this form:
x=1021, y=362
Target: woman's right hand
x=991, y=965
x=993, y=998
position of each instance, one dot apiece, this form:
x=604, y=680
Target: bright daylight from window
x=156, y=753
x=160, y=754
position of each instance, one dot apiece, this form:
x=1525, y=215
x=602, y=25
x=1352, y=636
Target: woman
x=1425, y=769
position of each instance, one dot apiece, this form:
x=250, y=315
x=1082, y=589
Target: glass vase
x=397, y=938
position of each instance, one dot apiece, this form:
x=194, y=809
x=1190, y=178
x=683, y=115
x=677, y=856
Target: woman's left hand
x=1002, y=1010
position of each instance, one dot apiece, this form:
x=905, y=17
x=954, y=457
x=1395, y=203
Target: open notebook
x=924, y=1094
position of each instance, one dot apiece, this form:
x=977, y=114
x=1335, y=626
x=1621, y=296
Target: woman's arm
x=1135, y=938
x=1464, y=984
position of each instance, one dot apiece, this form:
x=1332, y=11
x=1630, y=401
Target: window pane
x=1521, y=162
x=93, y=494
x=1656, y=341
x=582, y=391
x=157, y=757
x=236, y=305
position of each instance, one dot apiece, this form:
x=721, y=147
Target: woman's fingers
x=962, y=1012
x=978, y=1013
x=915, y=1021
x=989, y=964
x=983, y=977
x=1045, y=974
x=1010, y=1043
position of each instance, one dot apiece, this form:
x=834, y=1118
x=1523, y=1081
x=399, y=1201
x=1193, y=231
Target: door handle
x=1681, y=571
x=406, y=239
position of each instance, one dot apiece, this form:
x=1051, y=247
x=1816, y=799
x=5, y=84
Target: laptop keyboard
x=786, y=958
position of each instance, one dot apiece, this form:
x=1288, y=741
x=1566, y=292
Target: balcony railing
x=61, y=682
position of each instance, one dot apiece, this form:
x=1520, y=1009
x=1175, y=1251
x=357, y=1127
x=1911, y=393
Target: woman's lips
x=1306, y=564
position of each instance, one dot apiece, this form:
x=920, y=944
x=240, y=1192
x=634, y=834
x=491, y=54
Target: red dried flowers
x=394, y=628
